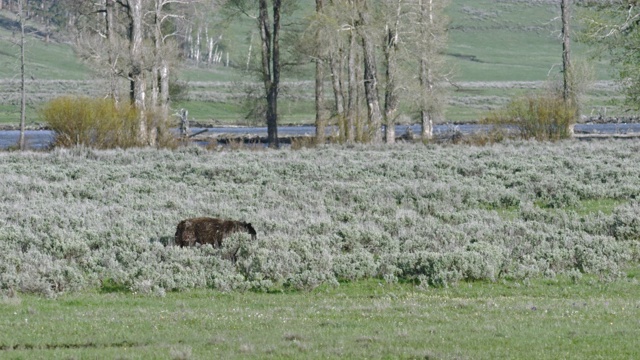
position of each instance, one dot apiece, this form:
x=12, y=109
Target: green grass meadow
x=540, y=319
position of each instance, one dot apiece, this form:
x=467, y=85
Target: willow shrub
x=96, y=123
x=540, y=117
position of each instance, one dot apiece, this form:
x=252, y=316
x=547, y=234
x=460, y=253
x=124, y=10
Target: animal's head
x=250, y=230
x=185, y=235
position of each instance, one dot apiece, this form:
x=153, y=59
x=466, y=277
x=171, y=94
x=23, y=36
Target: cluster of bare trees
x=133, y=41
x=199, y=42
x=378, y=56
x=377, y=53
x=133, y=44
x=374, y=60
x=373, y=53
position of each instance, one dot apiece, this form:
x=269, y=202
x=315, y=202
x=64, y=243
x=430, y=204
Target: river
x=41, y=139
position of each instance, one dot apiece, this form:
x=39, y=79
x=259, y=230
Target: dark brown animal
x=206, y=230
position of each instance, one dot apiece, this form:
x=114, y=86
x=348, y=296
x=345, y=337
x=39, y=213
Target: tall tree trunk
x=155, y=68
x=188, y=44
x=426, y=118
x=568, y=94
x=370, y=79
x=272, y=113
x=155, y=85
x=426, y=75
x=271, y=65
x=566, y=51
x=164, y=89
x=210, y=51
x=319, y=92
x=321, y=120
x=391, y=95
x=197, y=49
x=352, y=100
x=136, y=74
x=111, y=57
x=159, y=72
x=23, y=90
x=249, y=52
x=335, y=65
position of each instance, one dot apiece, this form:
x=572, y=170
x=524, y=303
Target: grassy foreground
x=548, y=319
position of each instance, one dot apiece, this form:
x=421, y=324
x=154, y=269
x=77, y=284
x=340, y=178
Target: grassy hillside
x=45, y=64
x=497, y=49
x=508, y=40
x=504, y=48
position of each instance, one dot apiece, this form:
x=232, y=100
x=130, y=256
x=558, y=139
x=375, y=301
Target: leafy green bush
x=91, y=122
x=97, y=123
x=540, y=117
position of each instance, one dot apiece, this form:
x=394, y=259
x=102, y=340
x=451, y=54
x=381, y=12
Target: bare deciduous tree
x=566, y=51
x=321, y=120
x=568, y=94
x=431, y=40
x=138, y=85
x=164, y=52
x=390, y=52
x=354, y=127
x=341, y=43
x=268, y=20
x=23, y=90
x=112, y=57
x=364, y=27
x=615, y=26
x=270, y=37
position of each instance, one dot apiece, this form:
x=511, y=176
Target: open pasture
x=517, y=250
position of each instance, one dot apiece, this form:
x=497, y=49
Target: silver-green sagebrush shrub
x=83, y=218
x=626, y=222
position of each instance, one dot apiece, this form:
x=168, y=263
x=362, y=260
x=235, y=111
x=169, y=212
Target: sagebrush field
x=430, y=215
x=520, y=250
